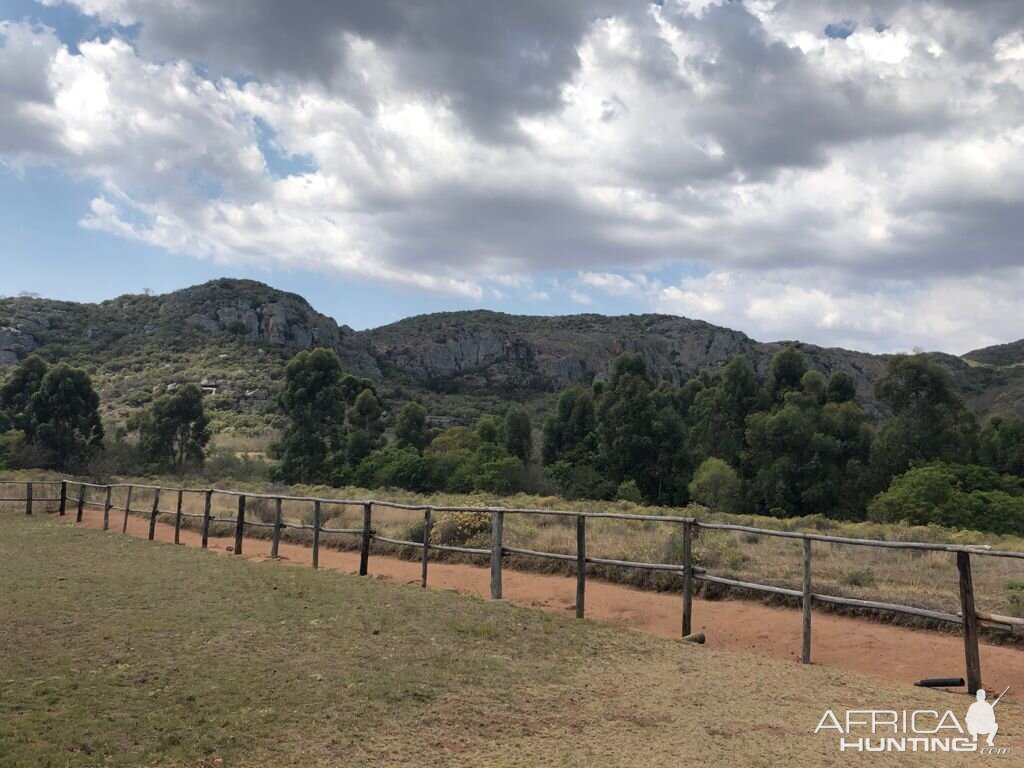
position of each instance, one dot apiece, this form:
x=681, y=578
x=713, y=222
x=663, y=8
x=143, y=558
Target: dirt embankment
x=878, y=650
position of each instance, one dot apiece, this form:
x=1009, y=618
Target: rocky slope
x=234, y=337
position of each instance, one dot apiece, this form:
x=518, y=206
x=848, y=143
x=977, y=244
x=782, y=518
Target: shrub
x=858, y=577
x=457, y=529
x=629, y=491
x=1015, y=595
x=716, y=485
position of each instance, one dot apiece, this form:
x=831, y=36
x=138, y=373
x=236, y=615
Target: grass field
x=118, y=651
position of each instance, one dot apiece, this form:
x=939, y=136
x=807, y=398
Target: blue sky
x=838, y=172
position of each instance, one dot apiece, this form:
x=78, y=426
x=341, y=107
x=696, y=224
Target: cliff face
x=487, y=349
x=245, y=331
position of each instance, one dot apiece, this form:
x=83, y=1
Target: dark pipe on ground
x=941, y=682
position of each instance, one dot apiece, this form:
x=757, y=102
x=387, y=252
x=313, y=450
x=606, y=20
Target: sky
x=842, y=172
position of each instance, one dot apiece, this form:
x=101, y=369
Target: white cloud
x=606, y=140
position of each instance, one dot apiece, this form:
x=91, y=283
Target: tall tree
x=1001, y=445
x=518, y=433
x=787, y=369
x=312, y=448
x=718, y=415
x=930, y=420
x=365, y=425
x=176, y=430
x=65, y=414
x=16, y=394
x=570, y=432
x=411, y=427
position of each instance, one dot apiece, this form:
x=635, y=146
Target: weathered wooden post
x=971, y=653
x=497, y=524
x=805, y=651
x=687, y=578
x=153, y=513
x=106, y=510
x=364, y=547
x=28, y=498
x=427, y=523
x=275, y=539
x=581, y=565
x=177, y=519
x=240, y=525
x=127, y=510
x=316, y=534
x=63, y=498
x=207, y=503
x=81, y=503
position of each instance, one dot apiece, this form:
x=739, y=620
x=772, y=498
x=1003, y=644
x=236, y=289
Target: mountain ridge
x=236, y=336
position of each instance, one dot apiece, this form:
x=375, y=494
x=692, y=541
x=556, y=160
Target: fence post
x=177, y=519
x=316, y=534
x=153, y=513
x=805, y=651
x=81, y=504
x=276, y=538
x=206, y=518
x=687, y=579
x=581, y=565
x=127, y=509
x=240, y=525
x=63, y=497
x=427, y=523
x=28, y=498
x=971, y=652
x=106, y=510
x=497, y=523
x=364, y=547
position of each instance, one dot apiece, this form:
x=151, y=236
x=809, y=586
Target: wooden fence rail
x=969, y=618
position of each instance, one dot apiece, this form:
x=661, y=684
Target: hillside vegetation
x=233, y=337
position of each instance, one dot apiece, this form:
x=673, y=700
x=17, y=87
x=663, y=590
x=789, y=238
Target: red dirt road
x=879, y=650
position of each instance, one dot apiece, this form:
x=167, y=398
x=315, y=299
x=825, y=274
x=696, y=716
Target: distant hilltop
x=240, y=333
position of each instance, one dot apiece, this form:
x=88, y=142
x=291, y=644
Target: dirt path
x=880, y=650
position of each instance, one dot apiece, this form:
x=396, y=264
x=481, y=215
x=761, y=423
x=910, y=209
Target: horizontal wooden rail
x=688, y=570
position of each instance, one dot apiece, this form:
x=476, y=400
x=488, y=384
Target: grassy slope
x=118, y=651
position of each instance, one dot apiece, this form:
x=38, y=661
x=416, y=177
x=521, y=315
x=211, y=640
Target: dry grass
x=120, y=652
x=922, y=579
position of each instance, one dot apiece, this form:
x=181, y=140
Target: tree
x=365, y=426
x=312, y=449
x=411, y=427
x=716, y=485
x=518, y=433
x=841, y=388
x=930, y=420
x=17, y=392
x=787, y=369
x=955, y=495
x=65, y=414
x=624, y=418
x=1001, y=445
x=718, y=414
x=570, y=433
x=176, y=429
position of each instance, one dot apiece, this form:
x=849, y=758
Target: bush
x=629, y=491
x=716, y=485
x=858, y=577
x=1015, y=595
x=459, y=529
x=953, y=495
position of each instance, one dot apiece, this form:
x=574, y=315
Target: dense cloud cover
x=845, y=172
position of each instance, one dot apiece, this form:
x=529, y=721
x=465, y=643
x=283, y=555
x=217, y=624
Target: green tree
x=930, y=420
x=954, y=495
x=411, y=427
x=718, y=414
x=717, y=486
x=66, y=418
x=1001, y=445
x=518, y=433
x=365, y=425
x=312, y=448
x=787, y=369
x=570, y=433
x=17, y=392
x=175, y=431
x=841, y=388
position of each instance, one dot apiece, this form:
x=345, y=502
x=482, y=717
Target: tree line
x=795, y=444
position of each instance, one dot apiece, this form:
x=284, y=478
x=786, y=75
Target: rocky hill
x=233, y=337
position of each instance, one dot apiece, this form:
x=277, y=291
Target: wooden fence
x=73, y=492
